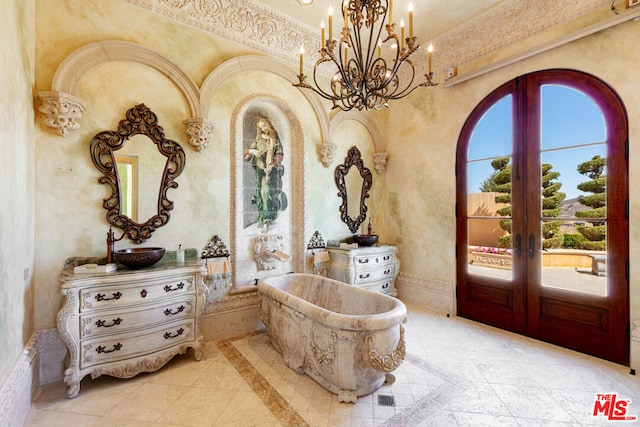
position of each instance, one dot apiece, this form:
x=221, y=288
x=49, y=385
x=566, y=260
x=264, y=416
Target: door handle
x=532, y=246
x=518, y=246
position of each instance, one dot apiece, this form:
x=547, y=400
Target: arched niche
x=259, y=63
x=290, y=224
x=71, y=71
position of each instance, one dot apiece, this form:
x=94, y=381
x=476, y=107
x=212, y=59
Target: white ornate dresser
x=374, y=268
x=129, y=321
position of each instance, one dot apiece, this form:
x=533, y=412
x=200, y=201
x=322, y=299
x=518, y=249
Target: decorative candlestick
x=301, y=59
x=411, y=20
x=330, y=23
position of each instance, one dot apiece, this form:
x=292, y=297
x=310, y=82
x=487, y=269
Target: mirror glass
x=144, y=166
x=139, y=175
x=127, y=167
x=353, y=180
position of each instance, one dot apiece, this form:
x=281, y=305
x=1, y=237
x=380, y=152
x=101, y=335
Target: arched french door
x=542, y=222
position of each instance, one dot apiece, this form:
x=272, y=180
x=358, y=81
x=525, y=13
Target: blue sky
x=573, y=131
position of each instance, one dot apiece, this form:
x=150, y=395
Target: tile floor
x=456, y=373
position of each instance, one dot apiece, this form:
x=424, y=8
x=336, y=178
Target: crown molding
x=506, y=24
x=245, y=22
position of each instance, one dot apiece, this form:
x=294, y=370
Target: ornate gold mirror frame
x=353, y=159
x=140, y=120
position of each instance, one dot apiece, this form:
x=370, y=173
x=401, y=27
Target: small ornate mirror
x=353, y=184
x=142, y=123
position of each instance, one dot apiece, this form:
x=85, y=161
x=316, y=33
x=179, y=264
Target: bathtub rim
x=350, y=322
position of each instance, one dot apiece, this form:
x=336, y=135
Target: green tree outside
x=595, y=234
x=551, y=207
x=500, y=182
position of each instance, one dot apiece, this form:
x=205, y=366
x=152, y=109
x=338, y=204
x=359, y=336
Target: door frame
x=539, y=311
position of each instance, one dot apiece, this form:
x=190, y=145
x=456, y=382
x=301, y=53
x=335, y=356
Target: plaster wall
x=69, y=198
x=426, y=127
x=412, y=203
x=17, y=73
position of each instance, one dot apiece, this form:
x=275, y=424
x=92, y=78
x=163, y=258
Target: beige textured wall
x=17, y=30
x=70, y=217
x=412, y=203
x=426, y=127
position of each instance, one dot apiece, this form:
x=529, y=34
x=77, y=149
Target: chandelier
x=362, y=77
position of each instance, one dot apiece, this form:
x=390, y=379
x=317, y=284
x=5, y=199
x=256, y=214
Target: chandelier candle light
x=364, y=79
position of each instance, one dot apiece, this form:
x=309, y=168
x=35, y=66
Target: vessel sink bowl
x=139, y=257
x=365, y=239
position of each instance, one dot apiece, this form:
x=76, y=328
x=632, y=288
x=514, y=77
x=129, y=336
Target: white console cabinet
x=374, y=268
x=130, y=321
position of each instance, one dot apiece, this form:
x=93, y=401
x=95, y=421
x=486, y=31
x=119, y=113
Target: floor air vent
x=384, y=400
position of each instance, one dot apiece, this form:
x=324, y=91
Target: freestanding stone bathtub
x=347, y=339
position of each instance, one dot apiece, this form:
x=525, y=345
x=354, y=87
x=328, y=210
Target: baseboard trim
x=432, y=294
x=231, y=316
x=21, y=387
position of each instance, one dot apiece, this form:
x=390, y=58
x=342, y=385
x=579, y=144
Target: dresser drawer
x=383, y=287
x=368, y=275
x=142, y=292
x=111, y=348
x=373, y=260
x=110, y=322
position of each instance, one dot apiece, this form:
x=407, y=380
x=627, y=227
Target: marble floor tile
x=456, y=373
x=41, y=418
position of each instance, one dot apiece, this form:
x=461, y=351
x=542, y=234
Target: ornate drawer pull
x=101, y=297
x=364, y=276
x=363, y=261
x=101, y=323
x=387, y=272
x=103, y=349
x=169, y=312
x=386, y=257
x=168, y=335
x=385, y=286
x=168, y=288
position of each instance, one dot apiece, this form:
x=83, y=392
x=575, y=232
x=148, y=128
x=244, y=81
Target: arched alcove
x=247, y=229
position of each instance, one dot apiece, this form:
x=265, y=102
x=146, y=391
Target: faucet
x=111, y=240
x=279, y=255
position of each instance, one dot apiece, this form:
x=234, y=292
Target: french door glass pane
x=573, y=196
x=569, y=117
x=489, y=192
x=493, y=135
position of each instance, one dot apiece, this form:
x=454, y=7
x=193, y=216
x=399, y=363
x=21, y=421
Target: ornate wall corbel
x=199, y=131
x=379, y=162
x=327, y=151
x=62, y=111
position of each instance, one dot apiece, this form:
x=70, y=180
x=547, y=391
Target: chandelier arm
x=398, y=93
x=362, y=79
x=371, y=52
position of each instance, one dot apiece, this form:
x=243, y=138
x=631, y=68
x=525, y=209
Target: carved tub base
x=345, y=338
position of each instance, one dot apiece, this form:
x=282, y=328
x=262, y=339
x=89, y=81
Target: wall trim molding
x=479, y=70
x=497, y=29
x=20, y=388
x=432, y=294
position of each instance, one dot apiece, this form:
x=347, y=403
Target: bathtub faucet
x=279, y=255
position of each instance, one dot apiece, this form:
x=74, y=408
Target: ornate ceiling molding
x=506, y=23
x=243, y=21
x=254, y=25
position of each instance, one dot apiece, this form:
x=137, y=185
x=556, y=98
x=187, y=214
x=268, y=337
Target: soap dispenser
x=180, y=255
